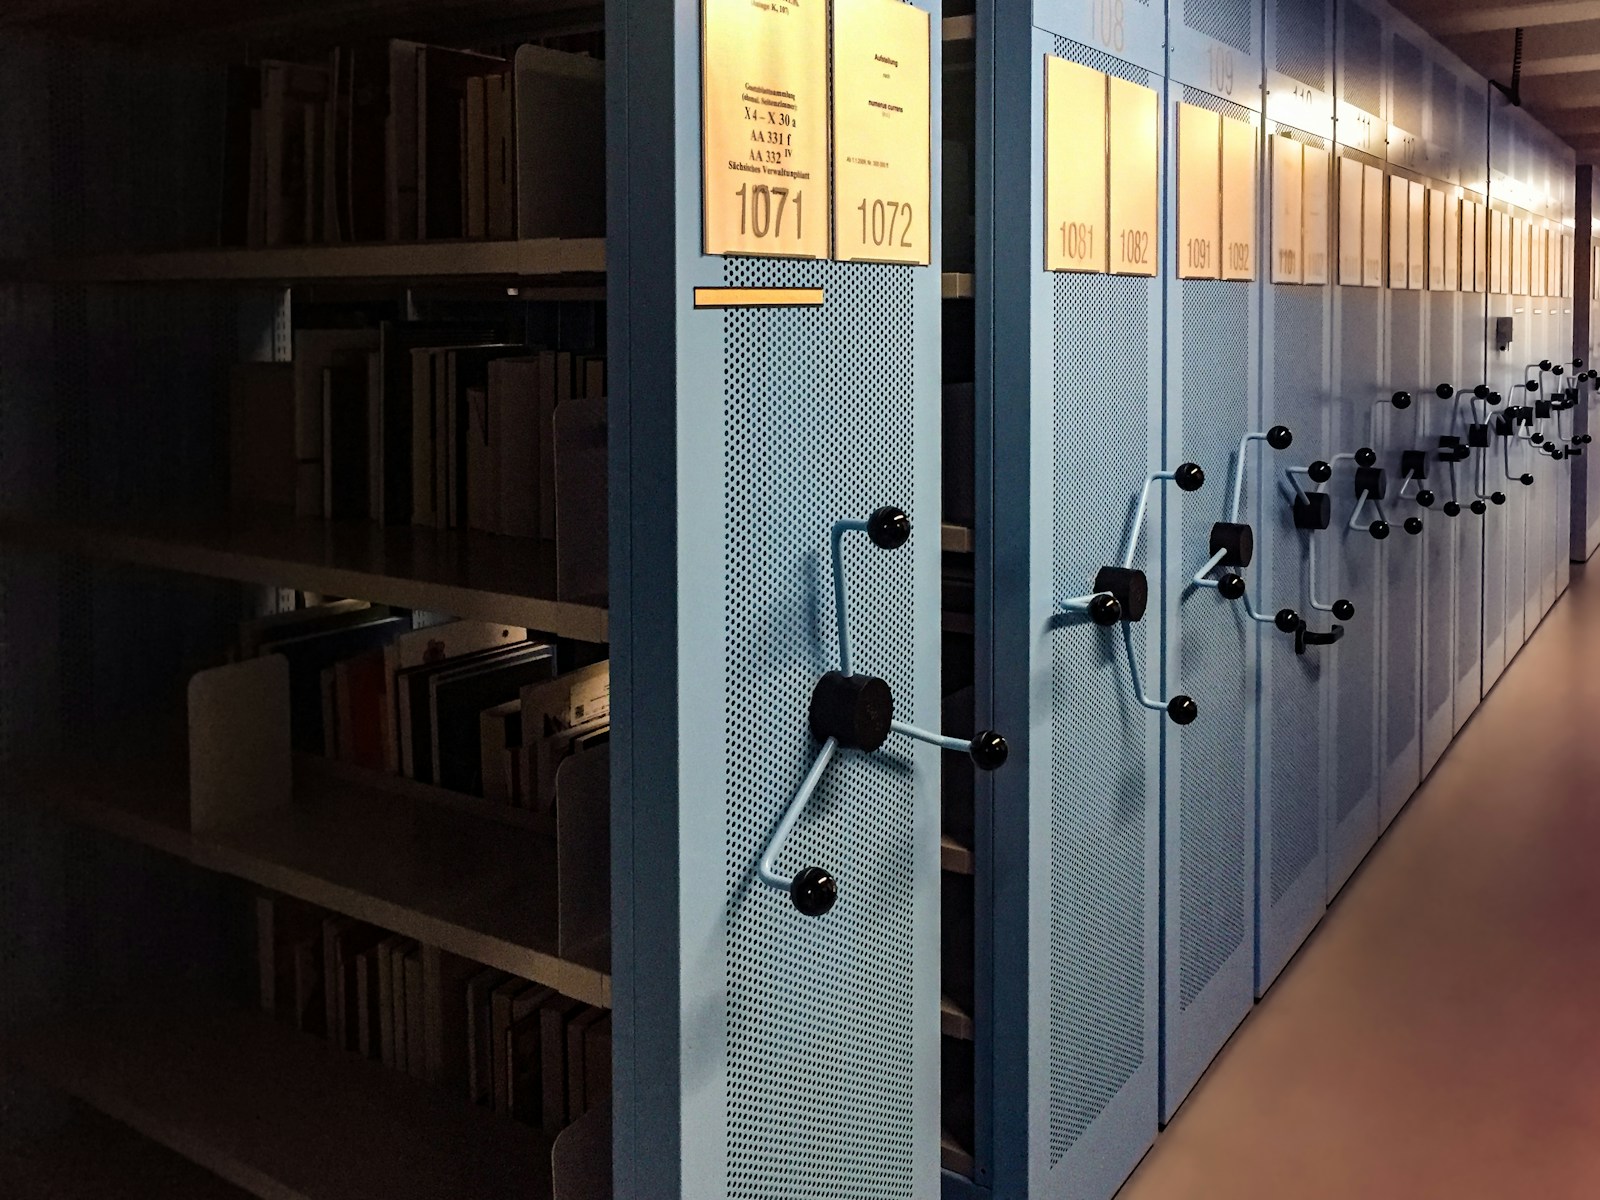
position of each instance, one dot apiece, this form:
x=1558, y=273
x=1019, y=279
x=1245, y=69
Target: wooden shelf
x=466, y=574
x=276, y=1113
x=383, y=853
x=954, y=857
x=92, y=1157
x=953, y=1022
x=465, y=262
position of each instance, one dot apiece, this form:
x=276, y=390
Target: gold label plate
x=1075, y=167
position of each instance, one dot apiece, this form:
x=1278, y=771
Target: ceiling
x=1560, y=55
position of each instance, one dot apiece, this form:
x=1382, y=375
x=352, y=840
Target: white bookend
x=239, y=759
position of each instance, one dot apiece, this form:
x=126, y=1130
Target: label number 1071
x=762, y=208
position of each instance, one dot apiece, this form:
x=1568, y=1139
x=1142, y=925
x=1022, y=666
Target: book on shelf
x=488, y=672
x=401, y=141
x=434, y=644
x=261, y=436
x=559, y=717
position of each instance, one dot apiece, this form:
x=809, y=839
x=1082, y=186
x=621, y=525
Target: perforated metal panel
x=818, y=394
x=1401, y=621
x=1408, y=75
x=1231, y=22
x=1439, y=538
x=1301, y=29
x=1361, y=38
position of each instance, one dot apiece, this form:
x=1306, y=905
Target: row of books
x=471, y=706
x=400, y=141
x=439, y=426
x=520, y=1048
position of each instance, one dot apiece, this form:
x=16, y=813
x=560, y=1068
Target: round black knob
x=1444, y=391
x=1527, y=480
x=889, y=528
x=1544, y=364
x=1413, y=525
x=1425, y=498
x=1279, y=437
x=855, y=710
x=1537, y=439
x=1366, y=457
x=1379, y=529
x=1452, y=509
x=1577, y=362
x=1495, y=397
x=1287, y=620
x=1105, y=610
x=1189, y=477
x=1401, y=399
x=1344, y=610
x=813, y=891
x=1128, y=587
x=1531, y=384
x=1481, y=391
x=1230, y=586
x=1558, y=455
x=1479, y=507
x=1558, y=369
x=989, y=750
x=1320, y=472
x=1182, y=710
x=1586, y=438
x=1498, y=497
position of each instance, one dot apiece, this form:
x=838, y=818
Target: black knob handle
x=1537, y=439
x=1379, y=530
x=1452, y=509
x=1182, y=710
x=1320, y=472
x=1558, y=369
x=814, y=891
x=1344, y=610
x=889, y=528
x=1230, y=586
x=1577, y=362
x=1413, y=525
x=1401, y=399
x=1481, y=391
x=1479, y=507
x=1444, y=391
x=989, y=751
x=1189, y=477
x=1544, y=364
x=1105, y=610
x=1495, y=397
x=1498, y=497
x=1279, y=437
x=1586, y=438
x=1558, y=454
x=1287, y=620
x=1531, y=384
x=1527, y=480
x=1366, y=456
x=1425, y=498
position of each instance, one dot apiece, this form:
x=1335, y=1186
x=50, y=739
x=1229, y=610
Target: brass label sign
x=1497, y=253
x=1199, y=193
x=1288, y=209
x=764, y=110
x=1436, y=240
x=1371, y=226
x=1075, y=167
x=1416, y=237
x=1480, y=247
x=1351, y=187
x=1133, y=115
x=1519, y=257
x=881, y=129
x=1314, y=218
x=1398, y=228
x=1238, y=199
x=1451, y=243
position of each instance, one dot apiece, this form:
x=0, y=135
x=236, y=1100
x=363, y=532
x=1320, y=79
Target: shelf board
x=957, y=285
x=92, y=1157
x=954, y=857
x=956, y=539
x=953, y=1022
x=461, y=572
x=468, y=261
x=276, y=1113
x=953, y=1156
x=481, y=888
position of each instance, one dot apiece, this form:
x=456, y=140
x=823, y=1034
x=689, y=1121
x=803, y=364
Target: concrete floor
x=1439, y=1034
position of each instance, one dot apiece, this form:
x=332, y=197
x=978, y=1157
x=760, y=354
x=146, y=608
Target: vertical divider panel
x=1069, y=404
x=761, y=1051
x=1212, y=376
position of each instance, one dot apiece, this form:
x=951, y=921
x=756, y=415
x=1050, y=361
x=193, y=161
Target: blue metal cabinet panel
x=1293, y=691
x=1213, y=399
x=1356, y=564
x=1070, y=404
x=1584, y=536
x=761, y=1052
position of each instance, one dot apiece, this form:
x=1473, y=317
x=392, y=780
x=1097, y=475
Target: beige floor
x=1439, y=1034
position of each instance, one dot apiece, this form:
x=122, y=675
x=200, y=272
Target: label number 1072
x=885, y=223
